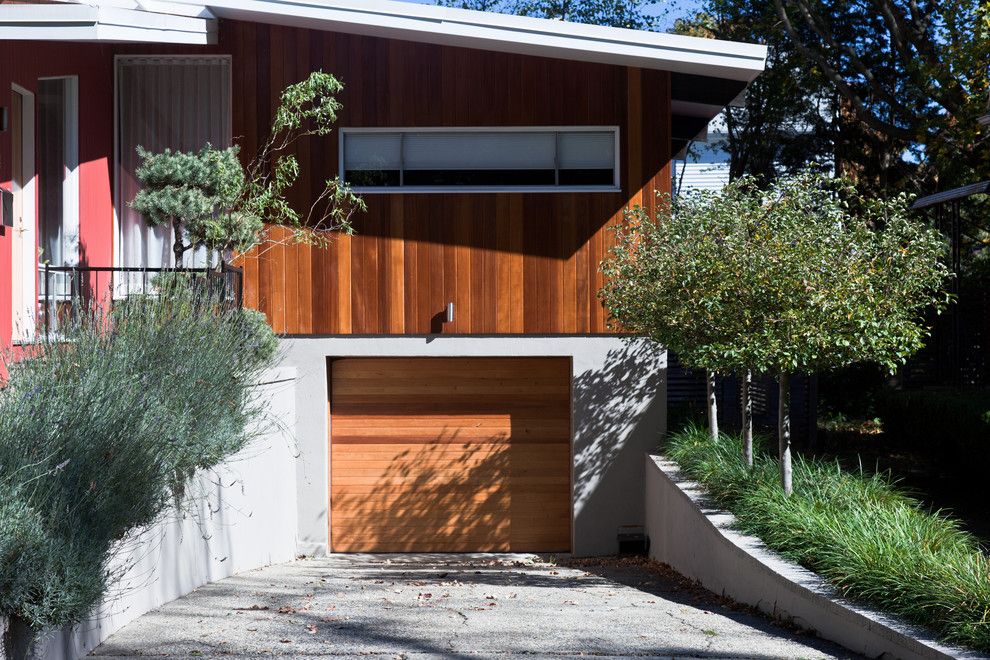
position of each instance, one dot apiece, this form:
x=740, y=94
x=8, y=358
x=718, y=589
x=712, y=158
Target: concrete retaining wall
x=699, y=542
x=240, y=516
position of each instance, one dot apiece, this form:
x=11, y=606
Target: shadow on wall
x=619, y=413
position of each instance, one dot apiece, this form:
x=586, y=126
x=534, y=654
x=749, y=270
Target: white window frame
x=616, y=185
x=117, y=258
x=28, y=240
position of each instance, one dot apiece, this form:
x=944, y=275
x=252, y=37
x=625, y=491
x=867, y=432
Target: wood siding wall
x=512, y=262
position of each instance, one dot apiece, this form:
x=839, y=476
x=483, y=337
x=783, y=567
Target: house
x=460, y=388
x=703, y=165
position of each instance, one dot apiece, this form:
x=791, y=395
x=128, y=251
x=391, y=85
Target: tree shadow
x=463, y=463
x=620, y=414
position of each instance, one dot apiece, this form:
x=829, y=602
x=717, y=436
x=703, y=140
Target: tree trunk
x=177, y=247
x=784, y=433
x=712, y=405
x=747, y=419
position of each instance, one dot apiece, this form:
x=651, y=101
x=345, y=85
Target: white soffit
x=109, y=22
x=500, y=32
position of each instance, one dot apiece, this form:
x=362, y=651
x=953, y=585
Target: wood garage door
x=450, y=455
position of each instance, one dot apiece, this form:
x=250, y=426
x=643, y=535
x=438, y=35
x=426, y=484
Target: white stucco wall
x=239, y=517
x=618, y=411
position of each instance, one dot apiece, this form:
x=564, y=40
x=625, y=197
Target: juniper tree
x=211, y=199
x=802, y=276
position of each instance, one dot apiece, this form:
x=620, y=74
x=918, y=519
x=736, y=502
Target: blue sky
x=677, y=8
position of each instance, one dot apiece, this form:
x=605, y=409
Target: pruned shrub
x=101, y=430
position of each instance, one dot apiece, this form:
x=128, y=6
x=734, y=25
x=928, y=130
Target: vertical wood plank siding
x=511, y=262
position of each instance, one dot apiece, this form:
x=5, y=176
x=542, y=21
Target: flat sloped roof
x=706, y=74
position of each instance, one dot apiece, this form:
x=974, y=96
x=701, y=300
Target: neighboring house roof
x=707, y=73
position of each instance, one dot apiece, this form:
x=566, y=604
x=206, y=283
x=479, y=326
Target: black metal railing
x=62, y=290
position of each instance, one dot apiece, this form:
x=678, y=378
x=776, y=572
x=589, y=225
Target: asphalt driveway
x=457, y=606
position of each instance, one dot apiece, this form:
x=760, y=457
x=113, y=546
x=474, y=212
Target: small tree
x=674, y=279
x=804, y=276
x=833, y=278
x=210, y=199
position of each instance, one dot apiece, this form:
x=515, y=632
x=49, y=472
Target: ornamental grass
x=857, y=530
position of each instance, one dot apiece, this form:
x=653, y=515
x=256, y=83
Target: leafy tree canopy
x=804, y=275
x=913, y=71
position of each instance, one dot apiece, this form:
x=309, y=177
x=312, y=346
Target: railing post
x=47, y=303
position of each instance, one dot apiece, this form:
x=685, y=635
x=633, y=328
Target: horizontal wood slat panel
x=511, y=262
x=414, y=467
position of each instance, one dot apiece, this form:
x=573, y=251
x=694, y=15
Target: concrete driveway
x=457, y=606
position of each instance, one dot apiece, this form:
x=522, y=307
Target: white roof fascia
x=78, y=22
x=504, y=33
x=194, y=10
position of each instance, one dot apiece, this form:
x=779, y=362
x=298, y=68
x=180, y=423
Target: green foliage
x=913, y=72
x=633, y=14
x=307, y=108
x=211, y=200
x=202, y=190
x=802, y=276
x=100, y=431
x=786, y=118
x=857, y=531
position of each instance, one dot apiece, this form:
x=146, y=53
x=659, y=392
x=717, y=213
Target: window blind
x=180, y=103
x=478, y=151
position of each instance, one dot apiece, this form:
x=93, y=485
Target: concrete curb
x=689, y=534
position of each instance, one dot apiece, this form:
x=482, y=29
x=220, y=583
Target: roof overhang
x=954, y=195
x=105, y=23
x=505, y=33
x=707, y=74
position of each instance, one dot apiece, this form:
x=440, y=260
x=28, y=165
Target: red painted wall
x=24, y=63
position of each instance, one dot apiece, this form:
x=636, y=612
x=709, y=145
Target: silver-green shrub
x=101, y=430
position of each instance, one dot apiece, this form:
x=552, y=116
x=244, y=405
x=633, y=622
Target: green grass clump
x=101, y=429
x=875, y=544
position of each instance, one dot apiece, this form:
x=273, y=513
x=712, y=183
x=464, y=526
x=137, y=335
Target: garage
x=450, y=454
